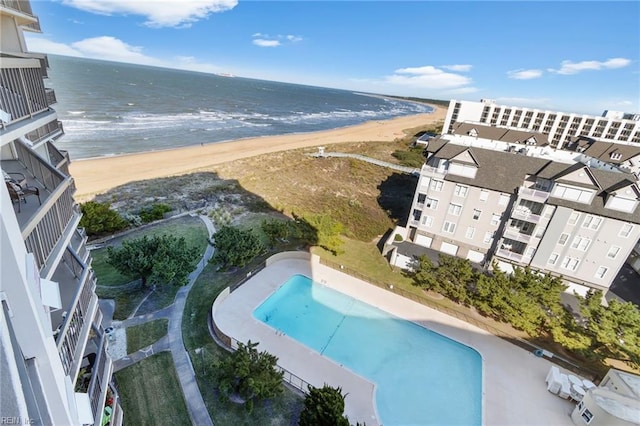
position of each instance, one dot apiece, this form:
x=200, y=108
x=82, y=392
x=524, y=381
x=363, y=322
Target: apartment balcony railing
x=74, y=332
x=432, y=171
x=533, y=194
x=100, y=377
x=44, y=60
x=22, y=92
x=51, y=130
x=51, y=96
x=511, y=255
x=78, y=247
x=526, y=215
x=18, y=5
x=517, y=235
x=59, y=159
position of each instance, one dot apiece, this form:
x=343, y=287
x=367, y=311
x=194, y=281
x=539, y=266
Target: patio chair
x=19, y=194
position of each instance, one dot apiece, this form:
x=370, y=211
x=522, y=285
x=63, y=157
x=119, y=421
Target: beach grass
x=150, y=393
x=142, y=335
x=204, y=352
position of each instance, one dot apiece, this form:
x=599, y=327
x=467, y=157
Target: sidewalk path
x=173, y=341
x=410, y=170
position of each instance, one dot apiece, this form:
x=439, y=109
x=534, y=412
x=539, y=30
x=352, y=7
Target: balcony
x=508, y=254
x=523, y=213
x=23, y=14
x=432, y=171
x=101, y=372
x=51, y=96
x=24, y=94
x=536, y=195
x=59, y=159
x=46, y=226
x=517, y=234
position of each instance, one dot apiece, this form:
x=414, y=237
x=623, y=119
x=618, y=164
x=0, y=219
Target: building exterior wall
x=50, y=320
x=558, y=126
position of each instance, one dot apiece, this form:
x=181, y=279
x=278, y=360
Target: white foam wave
x=75, y=112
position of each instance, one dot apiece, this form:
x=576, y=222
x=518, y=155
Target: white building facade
x=54, y=366
x=477, y=201
x=560, y=127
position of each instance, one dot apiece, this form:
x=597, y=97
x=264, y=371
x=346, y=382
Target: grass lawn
x=283, y=410
x=128, y=294
x=151, y=393
x=140, y=336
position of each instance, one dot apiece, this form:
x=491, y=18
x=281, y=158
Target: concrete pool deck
x=514, y=388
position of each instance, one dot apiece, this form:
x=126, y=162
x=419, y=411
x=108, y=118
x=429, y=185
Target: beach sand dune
x=97, y=175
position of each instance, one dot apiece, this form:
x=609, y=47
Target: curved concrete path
x=172, y=341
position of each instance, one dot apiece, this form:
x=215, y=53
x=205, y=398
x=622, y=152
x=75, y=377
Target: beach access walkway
x=172, y=341
x=409, y=170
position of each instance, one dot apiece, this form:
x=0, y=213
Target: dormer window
x=473, y=133
x=615, y=156
x=530, y=141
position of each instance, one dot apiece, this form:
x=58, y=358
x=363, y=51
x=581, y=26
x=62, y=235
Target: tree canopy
x=235, y=246
x=249, y=374
x=161, y=259
x=100, y=219
x=323, y=406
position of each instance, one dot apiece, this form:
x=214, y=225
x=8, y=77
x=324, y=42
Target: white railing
x=533, y=194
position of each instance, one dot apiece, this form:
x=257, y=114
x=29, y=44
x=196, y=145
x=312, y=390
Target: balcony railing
x=432, y=171
x=23, y=93
x=517, y=235
x=51, y=130
x=18, y=5
x=51, y=96
x=59, y=159
x=533, y=194
x=76, y=325
x=100, y=376
x=526, y=215
x=508, y=254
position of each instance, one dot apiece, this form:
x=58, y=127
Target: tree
x=249, y=375
x=323, y=406
x=235, y=247
x=275, y=230
x=100, y=219
x=161, y=259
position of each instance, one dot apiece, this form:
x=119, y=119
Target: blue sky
x=569, y=56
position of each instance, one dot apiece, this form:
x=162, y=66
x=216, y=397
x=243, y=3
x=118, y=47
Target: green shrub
x=397, y=237
x=155, y=212
x=99, y=219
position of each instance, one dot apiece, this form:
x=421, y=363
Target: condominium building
x=559, y=127
x=54, y=366
x=517, y=202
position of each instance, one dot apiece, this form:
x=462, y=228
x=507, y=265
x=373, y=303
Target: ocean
x=110, y=108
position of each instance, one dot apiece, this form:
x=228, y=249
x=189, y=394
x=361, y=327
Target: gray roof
x=603, y=151
x=500, y=134
x=504, y=172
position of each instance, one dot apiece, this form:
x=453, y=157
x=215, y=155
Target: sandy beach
x=97, y=175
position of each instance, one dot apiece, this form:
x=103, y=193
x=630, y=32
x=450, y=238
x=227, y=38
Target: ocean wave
x=75, y=112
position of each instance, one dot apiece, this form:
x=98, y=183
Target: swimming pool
x=422, y=377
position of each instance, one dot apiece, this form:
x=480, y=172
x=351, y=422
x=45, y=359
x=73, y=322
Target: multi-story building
x=530, y=206
x=54, y=367
x=559, y=127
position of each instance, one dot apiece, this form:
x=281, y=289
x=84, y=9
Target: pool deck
x=514, y=388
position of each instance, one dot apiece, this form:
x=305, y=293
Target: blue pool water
x=422, y=377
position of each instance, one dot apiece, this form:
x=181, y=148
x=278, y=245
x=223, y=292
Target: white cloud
x=159, y=13
x=113, y=49
x=568, y=67
x=265, y=43
x=458, y=68
x=524, y=74
x=266, y=40
x=429, y=77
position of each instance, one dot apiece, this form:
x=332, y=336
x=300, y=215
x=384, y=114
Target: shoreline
x=99, y=174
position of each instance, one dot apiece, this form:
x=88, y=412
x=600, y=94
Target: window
x=580, y=243
x=563, y=239
x=476, y=214
x=613, y=252
x=427, y=221
x=422, y=198
x=495, y=219
x=574, y=194
x=449, y=227
x=470, y=232
x=431, y=203
x=488, y=237
x=416, y=214
x=461, y=191
x=484, y=195
x=592, y=222
x=553, y=258
x=573, y=219
x=570, y=263
x=626, y=230
x=436, y=185
x=587, y=416
x=504, y=200
x=601, y=272
x=455, y=209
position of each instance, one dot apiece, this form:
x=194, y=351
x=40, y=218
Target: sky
x=576, y=56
